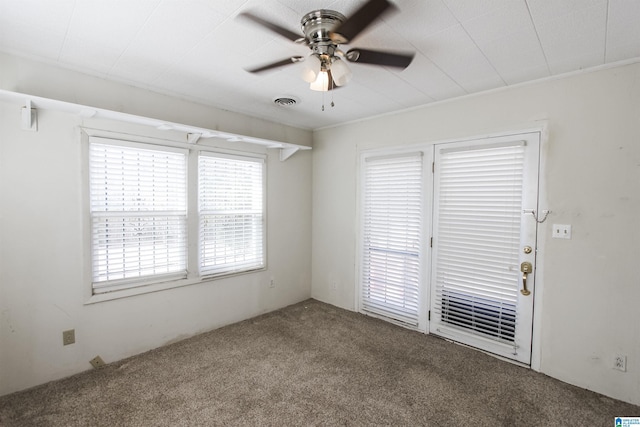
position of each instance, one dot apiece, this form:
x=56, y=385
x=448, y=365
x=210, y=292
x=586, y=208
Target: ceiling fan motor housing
x=316, y=27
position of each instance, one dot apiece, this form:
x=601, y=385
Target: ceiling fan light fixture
x=340, y=72
x=321, y=84
x=311, y=68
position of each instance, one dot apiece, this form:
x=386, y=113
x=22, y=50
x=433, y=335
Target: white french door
x=482, y=242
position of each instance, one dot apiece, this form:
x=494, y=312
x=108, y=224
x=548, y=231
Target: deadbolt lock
x=526, y=267
x=527, y=249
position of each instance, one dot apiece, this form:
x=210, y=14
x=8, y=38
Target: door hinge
x=429, y=315
x=433, y=167
x=431, y=242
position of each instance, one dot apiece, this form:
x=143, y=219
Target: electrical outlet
x=97, y=362
x=272, y=283
x=620, y=362
x=68, y=337
x=561, y=231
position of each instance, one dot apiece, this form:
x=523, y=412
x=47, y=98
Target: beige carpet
x=311, y=364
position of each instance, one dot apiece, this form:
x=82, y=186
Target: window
x=141, y=223
x=138, y=213
x=230, y=205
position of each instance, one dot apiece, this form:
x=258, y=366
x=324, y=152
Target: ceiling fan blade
x=357, y=22
x=273, y=27
x=277, y=64
x=376, y=57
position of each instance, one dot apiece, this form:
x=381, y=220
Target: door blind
x=478, y=214
x=138, y=214
x=391, y=237
x=230, y=205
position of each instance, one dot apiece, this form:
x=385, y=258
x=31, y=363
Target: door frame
x=427, y=147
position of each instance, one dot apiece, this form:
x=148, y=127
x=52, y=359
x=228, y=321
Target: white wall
x=42, y=291
x=592, y=174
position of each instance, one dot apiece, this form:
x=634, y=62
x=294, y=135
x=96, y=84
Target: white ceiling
x=197, y=49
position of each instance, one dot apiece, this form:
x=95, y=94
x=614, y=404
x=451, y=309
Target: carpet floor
x=311, y=364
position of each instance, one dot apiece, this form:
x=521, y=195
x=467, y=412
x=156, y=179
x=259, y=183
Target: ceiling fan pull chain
x=332, y=87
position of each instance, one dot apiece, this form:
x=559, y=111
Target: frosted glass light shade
x=311, y=69
x=340, y=72
x=321, y=83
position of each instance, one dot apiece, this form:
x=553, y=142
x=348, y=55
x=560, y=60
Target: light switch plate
x=561, y=231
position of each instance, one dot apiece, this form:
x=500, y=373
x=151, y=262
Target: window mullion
x=193, y=231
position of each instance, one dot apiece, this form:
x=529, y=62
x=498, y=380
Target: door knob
x=525, y=268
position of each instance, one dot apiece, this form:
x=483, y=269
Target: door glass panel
x=391, y=237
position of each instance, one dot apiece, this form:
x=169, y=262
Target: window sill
x=155, y=287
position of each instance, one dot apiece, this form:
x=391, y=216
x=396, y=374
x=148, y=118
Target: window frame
x=163, y=282
x=233, y=157
x=113, y=285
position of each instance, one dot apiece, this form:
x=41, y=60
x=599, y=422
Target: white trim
x=156, y=287
x=543, y=203
x=509, y=143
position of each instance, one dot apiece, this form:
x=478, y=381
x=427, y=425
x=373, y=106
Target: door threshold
x=497, y=356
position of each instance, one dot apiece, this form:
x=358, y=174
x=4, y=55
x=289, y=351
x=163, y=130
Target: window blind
x=391, y=237
x=231, y=214
x=478, y=214
x=138, y=214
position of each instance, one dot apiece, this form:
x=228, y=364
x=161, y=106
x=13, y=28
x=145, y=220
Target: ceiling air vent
x=285, y=101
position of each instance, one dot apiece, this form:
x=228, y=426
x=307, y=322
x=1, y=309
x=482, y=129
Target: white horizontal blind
x=231, y=212
x=391, y=237
x=138, y=214
x=478, y=214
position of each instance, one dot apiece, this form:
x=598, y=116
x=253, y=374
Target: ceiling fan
x=324, y=30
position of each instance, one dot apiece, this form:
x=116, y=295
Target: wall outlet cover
x=620, y=363
x=561, y=231
x=97, y=362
